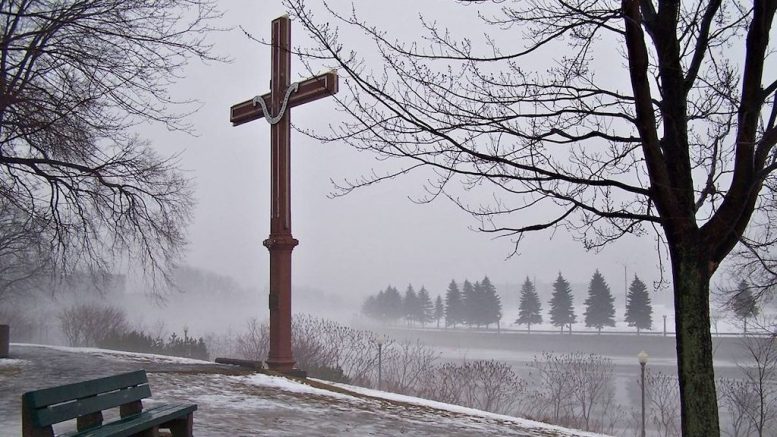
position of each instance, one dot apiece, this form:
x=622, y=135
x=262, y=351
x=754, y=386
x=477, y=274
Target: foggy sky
x=371, y=238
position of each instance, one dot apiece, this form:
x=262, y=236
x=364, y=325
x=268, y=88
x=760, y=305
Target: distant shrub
x=91, y=324
x=333, y=374
x=138, y=341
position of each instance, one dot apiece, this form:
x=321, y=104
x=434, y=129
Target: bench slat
x=143, y=421
x=55, y=395
x=71, y=410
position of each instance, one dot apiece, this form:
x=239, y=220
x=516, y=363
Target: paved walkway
x=232, y=403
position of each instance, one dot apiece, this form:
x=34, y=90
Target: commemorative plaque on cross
x=274, y=107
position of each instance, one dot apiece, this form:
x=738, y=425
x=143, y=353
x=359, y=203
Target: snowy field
x=234, y=402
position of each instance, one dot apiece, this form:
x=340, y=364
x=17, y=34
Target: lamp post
x=643, y=357
x=380, y=341
x=664, y=325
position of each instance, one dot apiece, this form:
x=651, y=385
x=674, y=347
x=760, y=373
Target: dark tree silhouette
x=530, y=309
x=411, y=305
x=678, y=137
x=599, y=309
x=562, y=311
x=491, y=303
x=439, y=310
x=471, y=302
x=76, y=80
x=639, y=311
x=425, y=307
x=743, y=303
x=371, y=308
x=392, y=304
x=454, y=305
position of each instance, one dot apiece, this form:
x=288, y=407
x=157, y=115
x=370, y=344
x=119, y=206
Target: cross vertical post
x=274, y=107
x=280, y=242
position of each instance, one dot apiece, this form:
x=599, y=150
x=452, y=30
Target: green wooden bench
x=85, y=401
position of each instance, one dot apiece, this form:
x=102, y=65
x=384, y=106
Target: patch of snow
x=109, y=353
x=289, y=385
x=10, y=362
x=233, y=401
x=526, y=423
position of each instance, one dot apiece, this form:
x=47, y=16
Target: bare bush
x=357, y=354
x=578, y=390
x=90, y=324
x=310, y=344
x=752, y=400
x=553, y=389
x=663, y=402
x=484, y=384
x=318, y=345
x=254, y=343
x=739, y=399
x=405, y=365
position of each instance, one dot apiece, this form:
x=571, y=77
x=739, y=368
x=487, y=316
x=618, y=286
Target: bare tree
x=89, y=324
x=25, y=261
x=553, y=377
x=663, y=402
x=592, y=377
x=405, y=365
x=76, y=80
x=577, y=388
x=739, y=398
x=757, y=391
x=676, y=139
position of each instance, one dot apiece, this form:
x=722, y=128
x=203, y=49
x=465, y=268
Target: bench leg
x=182, y=427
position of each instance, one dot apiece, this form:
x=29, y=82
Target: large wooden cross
x=274, y=106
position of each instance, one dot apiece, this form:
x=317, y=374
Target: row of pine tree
x=599, y=305
x=475, y=304
x=479, y=305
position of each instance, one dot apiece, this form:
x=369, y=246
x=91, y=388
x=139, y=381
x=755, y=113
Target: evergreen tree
x=562, y=310
x=743, y=303
x=370, y=307
x=529, y=310
x=425, y=309
x=491, y=303
x=478, y=305
x=470, y=303
x=411, y=305
x=453, y=305
x=392, y=305
x=599, y=309
x=639, y=311
x=439, y=310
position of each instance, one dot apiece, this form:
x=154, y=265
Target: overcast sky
x=371, y=238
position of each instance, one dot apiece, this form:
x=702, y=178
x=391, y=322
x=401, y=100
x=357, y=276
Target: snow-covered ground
x=239, y=403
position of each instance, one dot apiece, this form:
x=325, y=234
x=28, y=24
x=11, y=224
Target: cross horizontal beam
x=314, y=88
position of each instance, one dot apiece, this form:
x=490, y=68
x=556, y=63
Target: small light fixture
x=642, y=357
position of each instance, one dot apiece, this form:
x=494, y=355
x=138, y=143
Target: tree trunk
x=698, y=398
